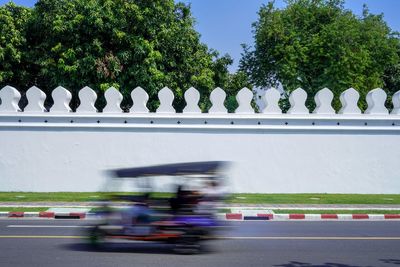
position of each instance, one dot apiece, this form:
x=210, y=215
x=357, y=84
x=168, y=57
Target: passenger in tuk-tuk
x=212, y=195
x=138, y=212
x=184, y=200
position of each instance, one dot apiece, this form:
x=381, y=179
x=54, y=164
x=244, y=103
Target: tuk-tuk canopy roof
x=188, y=168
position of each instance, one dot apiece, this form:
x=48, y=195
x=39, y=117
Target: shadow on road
x=329, y=264
x=145, y=248
x=391, y=261
x=122, y=248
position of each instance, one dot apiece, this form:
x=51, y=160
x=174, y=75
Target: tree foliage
x=120, y=43
x=230, y=82
x=13, y=21
x=314, y=44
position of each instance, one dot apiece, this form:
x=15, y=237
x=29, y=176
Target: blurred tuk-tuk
x=184, y=217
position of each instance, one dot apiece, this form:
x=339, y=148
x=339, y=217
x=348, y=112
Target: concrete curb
x=45, y=215
x=222, y=216
x=310, y=217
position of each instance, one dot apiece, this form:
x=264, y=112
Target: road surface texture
x=25, y=242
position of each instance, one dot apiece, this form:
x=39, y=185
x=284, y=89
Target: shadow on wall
x=331, y=264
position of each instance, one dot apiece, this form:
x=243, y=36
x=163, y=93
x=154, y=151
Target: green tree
x=314, y=44
x=230, y=82
x=13, y=21
x=120, y=43
x=391, y=77
x=234, y=83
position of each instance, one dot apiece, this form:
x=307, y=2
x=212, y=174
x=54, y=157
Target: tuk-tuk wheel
x=187, y=245
x=96, y=238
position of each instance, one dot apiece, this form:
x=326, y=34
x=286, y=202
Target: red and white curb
x=222, y=216
x=44, y=215
x=310, y=217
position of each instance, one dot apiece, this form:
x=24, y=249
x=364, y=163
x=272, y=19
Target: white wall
x=271, y=152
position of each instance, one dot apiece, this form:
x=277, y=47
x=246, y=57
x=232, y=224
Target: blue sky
x=225, y=24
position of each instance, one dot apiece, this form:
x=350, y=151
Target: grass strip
x=30, y=209
x=64, y=196
x=337, y=211
x=233, y=198
x=315, y=198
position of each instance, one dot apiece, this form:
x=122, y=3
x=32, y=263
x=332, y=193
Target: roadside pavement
x=81, y=210
x=226, y=205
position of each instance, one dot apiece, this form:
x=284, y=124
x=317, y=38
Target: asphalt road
x=288, y=244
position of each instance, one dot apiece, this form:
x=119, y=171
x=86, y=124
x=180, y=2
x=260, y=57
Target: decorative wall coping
x=205, y=121
x=324, y=117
